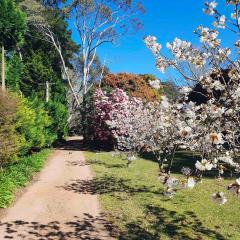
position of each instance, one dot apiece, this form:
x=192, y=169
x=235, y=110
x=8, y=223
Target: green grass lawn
x=18, y=174
x=133, y=200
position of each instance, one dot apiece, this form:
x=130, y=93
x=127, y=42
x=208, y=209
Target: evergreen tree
x=12, y=29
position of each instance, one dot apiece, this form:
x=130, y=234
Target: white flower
x=234, y=188
x=164, y=102
x=237, y=93
x=215, y=138
x=155, y=84
x=162, y=64
x=204, y=165
x=220, y=23
x=171, y=182
x=131, y=158
x=185, y=90
x=237, y=43
x=210, y=10
x=209, y=36
x=184, y=132
x=219, y=198
x=234, y=15
x=191, y=183
x=186, y=171
x=151, y=43
x=228, y=159
x=217, y=85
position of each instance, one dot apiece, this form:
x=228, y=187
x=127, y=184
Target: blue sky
x=166, y=20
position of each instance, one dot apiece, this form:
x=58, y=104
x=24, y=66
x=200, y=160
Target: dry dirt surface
x=54, y=207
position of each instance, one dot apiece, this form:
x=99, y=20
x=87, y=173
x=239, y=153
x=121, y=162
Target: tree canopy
x=12, y=24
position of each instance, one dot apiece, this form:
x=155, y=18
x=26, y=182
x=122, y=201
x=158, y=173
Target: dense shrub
x=9, y=138
x=134, y=85
x=87, y=113
x=59, y=115
x=13, y=72
x=28, y=125
x=33, y=124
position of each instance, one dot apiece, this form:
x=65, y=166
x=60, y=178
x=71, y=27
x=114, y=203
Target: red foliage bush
x=134, y=85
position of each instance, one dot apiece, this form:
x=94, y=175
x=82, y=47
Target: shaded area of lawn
x=169, y=224
x=132, y=198
x=182, y=158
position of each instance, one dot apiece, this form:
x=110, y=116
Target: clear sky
x=165, y=19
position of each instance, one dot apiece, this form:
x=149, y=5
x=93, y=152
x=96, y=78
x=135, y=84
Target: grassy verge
x=132, y=198
x=18, y=175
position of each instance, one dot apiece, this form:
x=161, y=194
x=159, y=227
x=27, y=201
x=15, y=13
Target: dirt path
x=52, y=208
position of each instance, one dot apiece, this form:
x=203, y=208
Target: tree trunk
x=3, y=69
x=85, y=80
x=160, y=162
x=171, y=159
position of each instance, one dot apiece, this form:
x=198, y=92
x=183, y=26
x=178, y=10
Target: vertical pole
x=3, y=69
x=101, y=76
x=47, y=91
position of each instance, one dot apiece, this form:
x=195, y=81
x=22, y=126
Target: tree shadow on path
x=55, y=230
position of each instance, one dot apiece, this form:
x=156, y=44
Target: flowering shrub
x=106, y=107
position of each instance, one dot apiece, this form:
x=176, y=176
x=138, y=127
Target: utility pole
x=3, y=69
x=47, y=90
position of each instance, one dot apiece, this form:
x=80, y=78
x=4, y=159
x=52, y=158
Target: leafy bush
x=59, y=115
x=33, y=124
x=87, y=113
x=13, y=72
x=9, y=138
x=28, y=125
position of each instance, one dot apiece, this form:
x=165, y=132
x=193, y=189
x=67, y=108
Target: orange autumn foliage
x=133, y=84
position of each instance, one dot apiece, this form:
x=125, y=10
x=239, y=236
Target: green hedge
x=28, y=125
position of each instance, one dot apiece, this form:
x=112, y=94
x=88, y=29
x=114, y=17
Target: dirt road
x=52, y=208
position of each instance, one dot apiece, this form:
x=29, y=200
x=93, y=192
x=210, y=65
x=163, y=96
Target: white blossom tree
x=210, y=128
